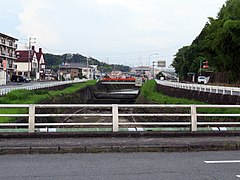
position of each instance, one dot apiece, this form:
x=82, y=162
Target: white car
x=202, y=80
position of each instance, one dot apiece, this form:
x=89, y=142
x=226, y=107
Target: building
x=68, y=71
x=115, y=74
x=8, y=47
x=142, y=71
x=30, y=63
x=41, y=64
x=50, y=75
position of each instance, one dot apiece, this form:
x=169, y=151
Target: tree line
x=218, y=43
x=53, y=62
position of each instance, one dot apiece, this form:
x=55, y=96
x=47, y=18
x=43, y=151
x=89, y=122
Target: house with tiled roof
x=30, y=63
x=41, y=64
x=70, y=71
x=142, y=70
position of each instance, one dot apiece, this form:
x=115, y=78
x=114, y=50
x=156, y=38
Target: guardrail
x=191, y=116
x=38, y=86
x=203, y=88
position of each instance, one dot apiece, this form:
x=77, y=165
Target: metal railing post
x=31, y=119
x=193, y=118
x=115, y=118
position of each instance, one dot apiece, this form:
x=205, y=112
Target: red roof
x=23, y=55
x=39, y=54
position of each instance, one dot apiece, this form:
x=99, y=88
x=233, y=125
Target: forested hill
x=53, y=62
x=218, y=43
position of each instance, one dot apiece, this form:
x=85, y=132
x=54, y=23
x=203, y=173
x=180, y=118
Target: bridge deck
x=116, y=82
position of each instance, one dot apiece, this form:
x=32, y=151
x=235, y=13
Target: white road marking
x=131, y=129
x=223, y=129
x=222, y=162
x=215, y=129
x=140, y=129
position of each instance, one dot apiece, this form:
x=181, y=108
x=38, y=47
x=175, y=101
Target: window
x=34, y=65
x=10, y=43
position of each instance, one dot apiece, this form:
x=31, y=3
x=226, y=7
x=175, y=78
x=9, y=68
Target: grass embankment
x=149, y=92
x=34, y=97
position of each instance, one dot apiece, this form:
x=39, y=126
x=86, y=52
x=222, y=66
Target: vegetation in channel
x=149, y=92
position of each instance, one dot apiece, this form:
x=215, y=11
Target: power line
x=131, y=56
x=43, y=46
x=163, y=51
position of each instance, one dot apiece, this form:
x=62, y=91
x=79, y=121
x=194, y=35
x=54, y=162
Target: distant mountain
x=53, y=62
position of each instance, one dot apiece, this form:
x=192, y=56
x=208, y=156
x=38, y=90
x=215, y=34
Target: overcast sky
x=125, y=32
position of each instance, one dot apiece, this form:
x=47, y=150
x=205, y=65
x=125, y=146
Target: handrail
x=202, y=88
x=4, y=91
x=116, y=111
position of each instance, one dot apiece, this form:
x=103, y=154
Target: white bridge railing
x=202, y=87
x=4, y=91
x=116, y=113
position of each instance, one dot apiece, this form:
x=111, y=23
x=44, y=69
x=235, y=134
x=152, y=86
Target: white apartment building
x=8, y=47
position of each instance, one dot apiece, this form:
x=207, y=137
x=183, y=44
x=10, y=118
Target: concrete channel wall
x=207, y=97
x=83, y=96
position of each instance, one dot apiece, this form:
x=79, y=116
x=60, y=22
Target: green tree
x=218, y=42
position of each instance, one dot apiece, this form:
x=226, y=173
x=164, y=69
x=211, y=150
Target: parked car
x=16, y=78
x=202, y=80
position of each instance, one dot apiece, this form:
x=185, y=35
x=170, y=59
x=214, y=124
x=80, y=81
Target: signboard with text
x=4, y=63
x=161, y=63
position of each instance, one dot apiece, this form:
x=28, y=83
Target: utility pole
x=29, y=54
x=87, y=69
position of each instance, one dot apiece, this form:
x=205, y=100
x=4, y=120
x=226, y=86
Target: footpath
x=57, y=143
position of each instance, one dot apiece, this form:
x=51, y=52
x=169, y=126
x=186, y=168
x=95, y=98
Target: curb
x=123, y=142
x=119, y=134
x=119, y=149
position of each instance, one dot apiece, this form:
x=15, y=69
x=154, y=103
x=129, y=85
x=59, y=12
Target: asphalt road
x=22, y=84
x=166, y=166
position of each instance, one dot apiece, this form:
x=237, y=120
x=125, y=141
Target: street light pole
x=149, y=62
x=153, y=70
x=200, y=66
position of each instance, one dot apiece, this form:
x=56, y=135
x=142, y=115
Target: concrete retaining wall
x=207, y=97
